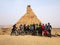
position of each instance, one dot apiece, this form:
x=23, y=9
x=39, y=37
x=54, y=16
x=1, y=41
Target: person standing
x=19, y=30
x=43, y=26
x=14, y=29
x=36, y=28
x=31, y=28
x=22, y=29
x=49, y=29
x=46, y=30
x=40, y=30
x=34, y=31
x=27, y=29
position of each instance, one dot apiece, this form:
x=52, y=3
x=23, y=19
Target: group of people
x=33, y=29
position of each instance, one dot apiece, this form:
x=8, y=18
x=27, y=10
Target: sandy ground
x=30, y=40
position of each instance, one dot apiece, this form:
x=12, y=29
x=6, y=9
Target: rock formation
x=28, y=18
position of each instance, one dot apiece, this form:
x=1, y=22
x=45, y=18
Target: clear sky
x=46, y=10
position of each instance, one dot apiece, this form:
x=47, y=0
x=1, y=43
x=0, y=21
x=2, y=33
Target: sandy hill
x=28, y=18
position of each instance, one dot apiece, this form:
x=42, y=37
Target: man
x=40, y=30
x=32, y=29
x=49, y=29
x=13, y=30
x=46, y=30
